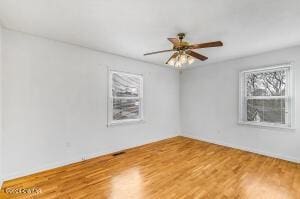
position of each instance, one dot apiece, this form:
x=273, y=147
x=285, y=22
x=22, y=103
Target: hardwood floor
x=174, y=168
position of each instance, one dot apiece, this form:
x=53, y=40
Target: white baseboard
x=93, y=155
x=45, y=167
x=54, y=165
x=243, y=148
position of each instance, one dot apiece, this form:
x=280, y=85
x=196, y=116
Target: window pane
x=125, y=85
x=266, y=110
x=270, y=83
x=274, y=111
x=255, y=110
x=124, y=109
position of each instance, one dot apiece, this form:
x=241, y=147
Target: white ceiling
x=134, y=27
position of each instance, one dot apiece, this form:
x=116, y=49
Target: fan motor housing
x=181, y=35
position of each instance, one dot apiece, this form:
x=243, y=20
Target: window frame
x=289, y=95
x=110, y=120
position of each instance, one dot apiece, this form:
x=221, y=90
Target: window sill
x=261, y=124
x=125, y=122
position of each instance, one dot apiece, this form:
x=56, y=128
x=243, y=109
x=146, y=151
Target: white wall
x=209, y=106
x=1, y=146
x=55, y=104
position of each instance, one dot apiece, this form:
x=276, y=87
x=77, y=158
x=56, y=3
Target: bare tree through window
x=266, y=83
x=265, y=95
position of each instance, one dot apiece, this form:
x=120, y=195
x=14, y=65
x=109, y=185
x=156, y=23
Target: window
x=125, y=97
x=266, y=97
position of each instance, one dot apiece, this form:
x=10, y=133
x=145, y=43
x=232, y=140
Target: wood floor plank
x=173, y=168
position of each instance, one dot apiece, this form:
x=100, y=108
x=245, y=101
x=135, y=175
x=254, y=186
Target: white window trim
x=289, y=95
x=111, y=121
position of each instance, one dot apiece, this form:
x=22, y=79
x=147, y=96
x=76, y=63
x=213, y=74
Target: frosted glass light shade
x=183, y=59
x=190, y=60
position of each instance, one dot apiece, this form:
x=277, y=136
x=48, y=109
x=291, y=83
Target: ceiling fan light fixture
x=180, y=60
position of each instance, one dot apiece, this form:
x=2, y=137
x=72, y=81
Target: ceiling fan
x=183, y=51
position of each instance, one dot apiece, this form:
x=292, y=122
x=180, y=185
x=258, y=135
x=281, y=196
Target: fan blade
x=173, y=56
x=162, y=51
x=196, y=55
x=206, y=45
x=174, y=41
